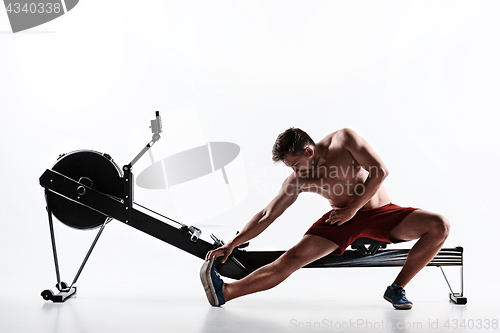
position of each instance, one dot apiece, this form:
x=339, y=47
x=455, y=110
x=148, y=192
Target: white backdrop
x=418, y=79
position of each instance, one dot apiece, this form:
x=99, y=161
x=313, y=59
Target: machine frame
x=365, y=252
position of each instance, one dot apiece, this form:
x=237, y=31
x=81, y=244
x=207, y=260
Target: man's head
x=291, y=145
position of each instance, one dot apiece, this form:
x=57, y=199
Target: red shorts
x=376, y=223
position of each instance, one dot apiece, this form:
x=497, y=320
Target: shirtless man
x=345, y=170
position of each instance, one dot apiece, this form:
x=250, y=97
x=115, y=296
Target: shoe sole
x=406, y=306
x=206, y=281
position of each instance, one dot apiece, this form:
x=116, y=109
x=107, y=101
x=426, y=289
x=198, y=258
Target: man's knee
x=309, y=249
x=440, y=225
x=293, y=259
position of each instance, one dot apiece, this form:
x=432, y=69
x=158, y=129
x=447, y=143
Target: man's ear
x=308, y=152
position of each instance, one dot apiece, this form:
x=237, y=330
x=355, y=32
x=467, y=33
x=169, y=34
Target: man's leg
x=431, y=229
x=309, y=249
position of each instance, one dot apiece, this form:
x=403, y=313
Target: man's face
x=302, y=164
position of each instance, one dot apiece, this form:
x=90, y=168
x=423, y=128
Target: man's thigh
x=309, y=249
x=415, y=225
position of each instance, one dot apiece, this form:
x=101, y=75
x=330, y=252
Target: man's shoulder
x=337, y=138
x=291, y=179
x=293, y=184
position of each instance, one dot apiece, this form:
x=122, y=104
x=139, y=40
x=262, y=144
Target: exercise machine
x=86, y=189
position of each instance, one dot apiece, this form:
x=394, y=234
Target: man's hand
x=340, y=216
x=223, y=251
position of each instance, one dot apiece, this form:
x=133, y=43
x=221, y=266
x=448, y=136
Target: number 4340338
x=476, y=324
x=33, y=8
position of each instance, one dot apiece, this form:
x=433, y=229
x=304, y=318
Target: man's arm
x=366, y=156
x=263, y=219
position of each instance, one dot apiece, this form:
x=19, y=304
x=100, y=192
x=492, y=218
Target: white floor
x=311, y=300
x=133, y=284
x=107, y=313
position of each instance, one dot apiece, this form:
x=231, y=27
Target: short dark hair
x=292, y=141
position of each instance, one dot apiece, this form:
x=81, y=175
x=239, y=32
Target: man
x=345, y=170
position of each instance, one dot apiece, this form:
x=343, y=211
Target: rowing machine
x=86, y=190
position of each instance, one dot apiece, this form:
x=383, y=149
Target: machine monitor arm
x=156, y=129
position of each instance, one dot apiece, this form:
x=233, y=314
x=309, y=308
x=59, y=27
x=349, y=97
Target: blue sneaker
x=397, y=297
x=212, y=283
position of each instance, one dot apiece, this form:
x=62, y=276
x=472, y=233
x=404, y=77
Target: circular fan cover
x=104, y=175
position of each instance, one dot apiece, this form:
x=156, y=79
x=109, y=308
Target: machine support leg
x=446, y=279
x=457, y=298
x=66, y=292
x=89, y=252
x=54, y=250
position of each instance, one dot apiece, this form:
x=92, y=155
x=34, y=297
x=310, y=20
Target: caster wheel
x=47, y=294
